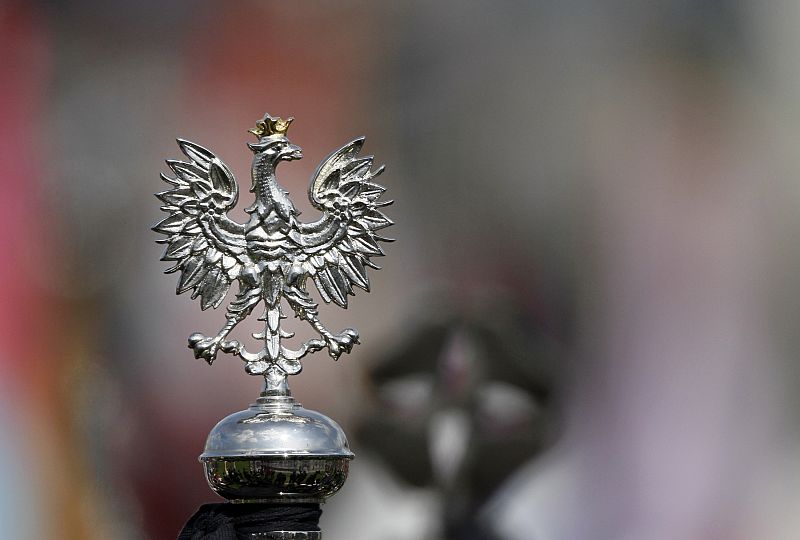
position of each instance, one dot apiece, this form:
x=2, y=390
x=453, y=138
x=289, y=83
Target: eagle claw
x=205, y=347
x=342, y=342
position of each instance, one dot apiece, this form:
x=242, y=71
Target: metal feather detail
x=273, y=255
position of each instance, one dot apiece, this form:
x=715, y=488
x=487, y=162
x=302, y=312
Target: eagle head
x=273, y=145
x=276, y=148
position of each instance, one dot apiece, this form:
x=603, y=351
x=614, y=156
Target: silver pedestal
x=276, y=451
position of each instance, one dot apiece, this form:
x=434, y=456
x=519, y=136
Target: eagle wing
x=207, y=247
x=337, y=248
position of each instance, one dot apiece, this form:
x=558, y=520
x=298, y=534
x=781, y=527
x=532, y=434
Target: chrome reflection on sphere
x=303, y=479
x=276, y=451
x=276, y=426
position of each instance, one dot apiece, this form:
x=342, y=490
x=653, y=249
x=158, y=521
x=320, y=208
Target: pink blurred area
x=626, y=172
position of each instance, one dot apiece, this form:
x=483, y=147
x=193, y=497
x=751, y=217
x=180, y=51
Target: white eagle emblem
x=273, y=255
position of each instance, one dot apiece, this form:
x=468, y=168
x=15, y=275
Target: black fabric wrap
x=228, y=521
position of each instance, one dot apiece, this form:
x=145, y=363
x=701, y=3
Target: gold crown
x=271, y=126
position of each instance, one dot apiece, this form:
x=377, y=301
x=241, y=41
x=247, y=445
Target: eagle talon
x=205, y=347
x=342, y=342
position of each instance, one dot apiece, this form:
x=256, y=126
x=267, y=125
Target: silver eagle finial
x=272, y=255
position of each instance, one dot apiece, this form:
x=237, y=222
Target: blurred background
x=586, y=330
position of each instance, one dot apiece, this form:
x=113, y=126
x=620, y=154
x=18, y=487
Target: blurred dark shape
x=461, y=404
x=228, y=521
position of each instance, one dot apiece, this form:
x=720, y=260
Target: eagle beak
x=293, y=152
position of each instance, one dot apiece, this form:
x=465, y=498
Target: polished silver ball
x=276, y=451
